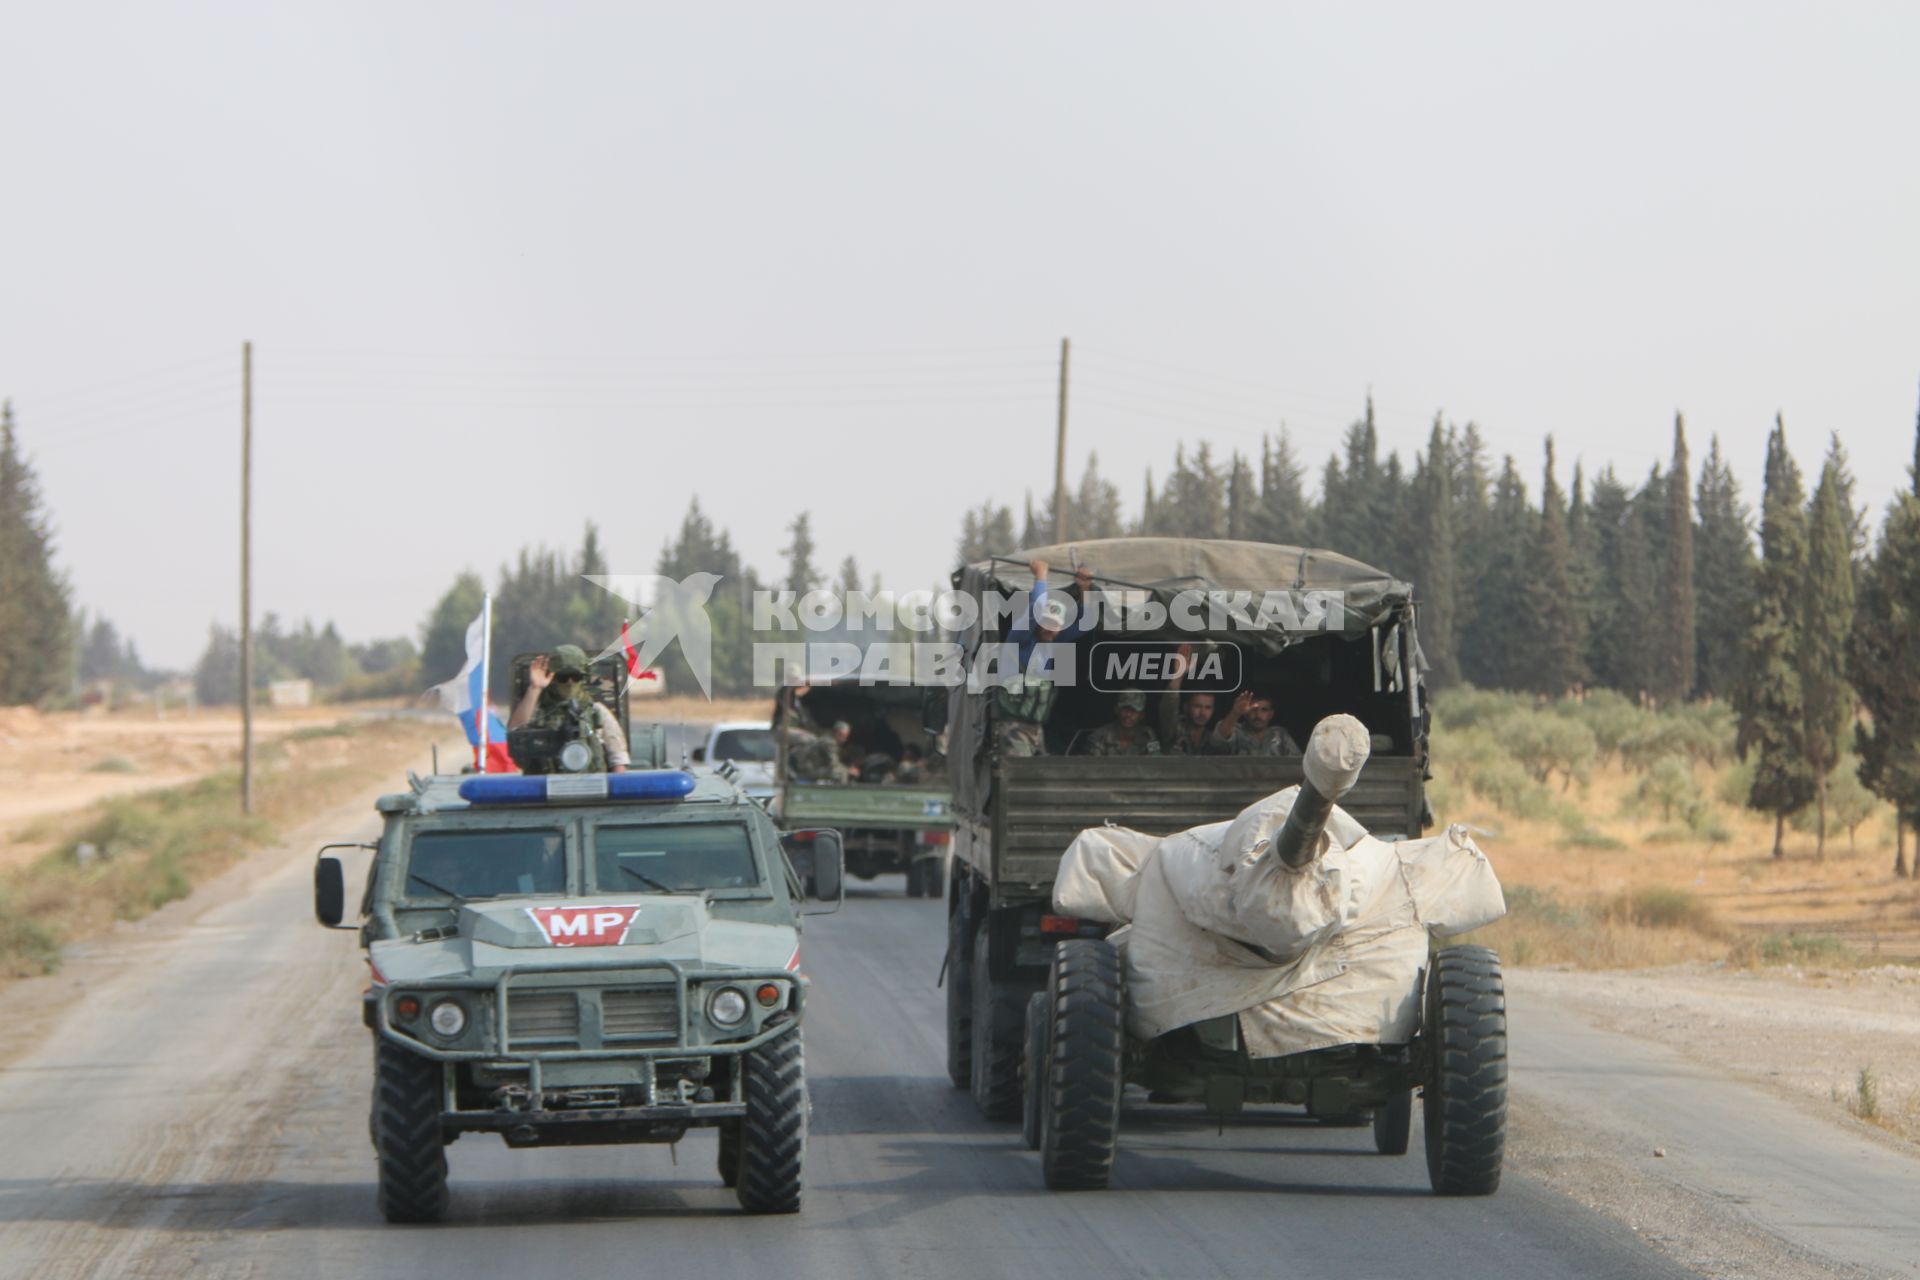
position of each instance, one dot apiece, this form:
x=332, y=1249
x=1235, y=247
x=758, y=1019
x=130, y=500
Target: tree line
x=1661, y=588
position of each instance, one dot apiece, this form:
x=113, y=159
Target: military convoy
x=577, y=959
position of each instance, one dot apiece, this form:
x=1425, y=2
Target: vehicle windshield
x=755, y=745
x=486, y=864
x=673, y=857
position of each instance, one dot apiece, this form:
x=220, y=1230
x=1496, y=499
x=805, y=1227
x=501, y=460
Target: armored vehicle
x=1317, y=632
x=579, y=959
x=893, y=816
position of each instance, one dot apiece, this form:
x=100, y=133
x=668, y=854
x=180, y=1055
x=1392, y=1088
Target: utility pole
x=1060, y=454
x=246, y=577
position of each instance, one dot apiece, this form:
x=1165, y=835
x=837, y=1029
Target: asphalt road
x=200, y=1110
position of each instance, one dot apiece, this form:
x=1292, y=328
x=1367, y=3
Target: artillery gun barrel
x=1336, y=753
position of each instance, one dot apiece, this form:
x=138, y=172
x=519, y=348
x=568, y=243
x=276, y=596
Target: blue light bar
x=513, y=788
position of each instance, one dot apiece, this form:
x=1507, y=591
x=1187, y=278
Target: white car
x=749, y=746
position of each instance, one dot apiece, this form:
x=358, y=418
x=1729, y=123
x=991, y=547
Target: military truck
x=1318, y=632
x=582, y=958
x=888, y=824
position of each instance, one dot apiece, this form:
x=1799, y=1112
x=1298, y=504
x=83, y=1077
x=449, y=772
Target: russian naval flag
x=465, y=696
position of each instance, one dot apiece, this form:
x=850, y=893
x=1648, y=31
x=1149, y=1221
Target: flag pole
x=486, y=670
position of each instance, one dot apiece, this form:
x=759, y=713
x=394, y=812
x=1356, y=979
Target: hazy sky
x=507, y=269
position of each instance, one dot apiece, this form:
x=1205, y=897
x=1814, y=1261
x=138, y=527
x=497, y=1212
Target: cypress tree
x=1552, y=623
x=1673, y=669
x=1493, y=653
x=36, y=616
x=1637, y=620
x=1605, y=524
x=802, y=576
x=1242, y=501
x=1767, y=699
x=1431, y=559
x=1723, y=568
x=1284, y=515
x=1467, y=471
x=1826, y=618
x=1883, y=653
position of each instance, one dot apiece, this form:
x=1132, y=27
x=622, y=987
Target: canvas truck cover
x=1164, y=567
x=1214, y=924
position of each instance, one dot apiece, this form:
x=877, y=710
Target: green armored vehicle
x=577, y=959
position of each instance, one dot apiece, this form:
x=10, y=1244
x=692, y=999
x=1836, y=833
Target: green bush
x=1671, y=735
x=1465, y=707
x=1609, y=715
x=1669, y=784
x=114, y=764
x=1548, y=744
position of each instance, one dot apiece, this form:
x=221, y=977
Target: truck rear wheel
x=408, y=1092
x=1079, y=1092
x=1033, y=1069
x=997, y=1012
x=1465, y=1107
x=773, y=1133
x=959, y=996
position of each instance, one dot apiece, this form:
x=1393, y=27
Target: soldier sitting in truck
x=1250, y=728
x=1129, y=734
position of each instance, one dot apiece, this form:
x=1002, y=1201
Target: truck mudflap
x=588, y=1034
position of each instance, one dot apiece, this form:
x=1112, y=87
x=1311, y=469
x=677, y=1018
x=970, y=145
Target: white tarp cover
x=1216, y=924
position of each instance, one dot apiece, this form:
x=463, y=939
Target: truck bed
x=1044, y=801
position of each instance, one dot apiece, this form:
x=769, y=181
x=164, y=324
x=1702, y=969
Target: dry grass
x=1606, y=881
x=147, y=850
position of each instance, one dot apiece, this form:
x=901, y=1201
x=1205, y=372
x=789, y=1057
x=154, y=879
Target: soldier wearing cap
x=1129, y=734
x=557, y=696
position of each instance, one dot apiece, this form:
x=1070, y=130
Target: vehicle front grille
x=648, y=1011
x=546, y=1016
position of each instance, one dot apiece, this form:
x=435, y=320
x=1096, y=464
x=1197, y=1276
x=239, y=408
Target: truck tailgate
x=853, y=806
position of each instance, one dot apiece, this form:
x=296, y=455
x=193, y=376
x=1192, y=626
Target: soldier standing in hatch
x=1128, y=734
x=557, y=696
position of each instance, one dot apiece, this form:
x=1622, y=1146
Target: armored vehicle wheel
x=407, y=1097
x=1465, y=1108
x=1393, y=1124
x=773, y=1134
x=1081, y=1085
x=959, y=977
x=916, y=879
x=1033, y=1069
x=997, y=1009
x=936, y=880
x=729, y=1161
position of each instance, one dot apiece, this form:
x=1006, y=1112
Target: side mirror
x=829, y=867
x=329, y=891
x=330, y=886
x=698, y=755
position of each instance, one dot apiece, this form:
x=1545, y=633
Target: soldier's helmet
x=568, y=660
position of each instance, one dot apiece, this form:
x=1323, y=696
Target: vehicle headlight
x=727, y=1006
x=576, y=756
x=447, y=1019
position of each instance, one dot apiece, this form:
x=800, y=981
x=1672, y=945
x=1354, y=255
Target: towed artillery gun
x=582, y=958
x=1247, y=964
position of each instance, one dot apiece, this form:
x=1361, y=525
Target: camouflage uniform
x=1271, y=741
x=1105, y=741
x=591, y=722
x=811, y=758
x=1210, y=744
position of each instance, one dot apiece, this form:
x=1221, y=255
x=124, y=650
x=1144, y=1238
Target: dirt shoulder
x=1804, y=1034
